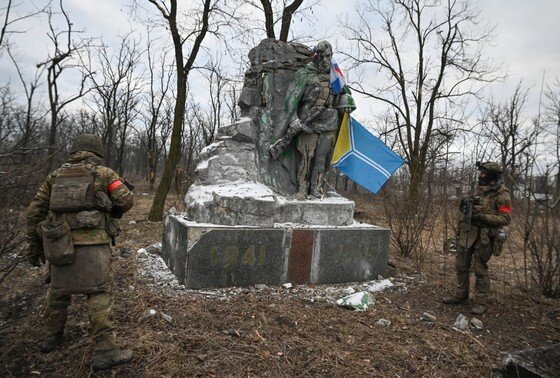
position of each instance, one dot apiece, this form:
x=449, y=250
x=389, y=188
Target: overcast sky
x=527, y=36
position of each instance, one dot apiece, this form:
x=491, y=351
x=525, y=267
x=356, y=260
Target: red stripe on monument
x=301, y=252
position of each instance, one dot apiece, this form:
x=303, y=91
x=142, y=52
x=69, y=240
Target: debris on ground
x=383, y=322
x=476, y=323
x=461, y=323
x=427, y=317
x=359, y=301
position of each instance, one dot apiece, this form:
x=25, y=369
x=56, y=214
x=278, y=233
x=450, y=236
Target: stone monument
x=260, y=210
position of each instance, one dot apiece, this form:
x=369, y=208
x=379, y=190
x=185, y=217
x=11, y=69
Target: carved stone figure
x=312, y=110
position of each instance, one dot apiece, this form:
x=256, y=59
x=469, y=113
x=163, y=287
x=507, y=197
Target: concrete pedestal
x=208, y=255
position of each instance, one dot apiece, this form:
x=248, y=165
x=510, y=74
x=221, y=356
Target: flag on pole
x=363, y=157
x=337, y=78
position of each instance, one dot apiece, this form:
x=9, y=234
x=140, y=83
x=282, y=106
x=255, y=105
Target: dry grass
x=257, y=334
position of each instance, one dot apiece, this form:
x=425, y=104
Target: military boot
x=51, y=342
x=106, y=359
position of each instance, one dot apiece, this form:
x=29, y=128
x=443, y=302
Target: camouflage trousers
x=476, y=256
x=100, y=309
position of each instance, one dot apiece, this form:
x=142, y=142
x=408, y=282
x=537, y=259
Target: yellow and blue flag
x=363, y=157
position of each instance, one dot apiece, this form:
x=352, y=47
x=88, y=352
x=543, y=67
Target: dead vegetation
x=256, y=333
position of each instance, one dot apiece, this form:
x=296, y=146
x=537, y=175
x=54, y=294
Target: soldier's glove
x=36, y=259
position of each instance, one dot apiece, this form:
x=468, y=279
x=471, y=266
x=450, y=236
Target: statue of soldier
x=71, y=223
x=482, y=232
x=313, y=113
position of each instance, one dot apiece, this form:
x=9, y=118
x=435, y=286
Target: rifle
x=467, y=209
x=280, y=145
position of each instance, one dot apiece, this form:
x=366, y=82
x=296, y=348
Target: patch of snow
x=380, y=285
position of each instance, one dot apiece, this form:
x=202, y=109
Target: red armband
x=504, y=209
x=114, y=185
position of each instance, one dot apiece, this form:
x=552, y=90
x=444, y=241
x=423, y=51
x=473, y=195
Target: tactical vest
x=74, y=198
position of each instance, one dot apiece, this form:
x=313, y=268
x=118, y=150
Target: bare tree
x=60, y=60
x=9, y=20
x=157, y=119
x=430, y=57
x=116, y=94
x=195, y=38
x=29, y=122
x=504, y=125
x=288, y=11
x=552, y=119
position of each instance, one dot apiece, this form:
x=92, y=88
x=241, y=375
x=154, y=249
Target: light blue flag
x=363, y=157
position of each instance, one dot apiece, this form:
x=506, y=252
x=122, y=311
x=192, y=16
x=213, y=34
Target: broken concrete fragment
x=461, y=323
x=540, y=362
x=427, y=317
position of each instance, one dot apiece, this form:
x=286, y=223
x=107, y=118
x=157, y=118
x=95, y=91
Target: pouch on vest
x=57, y=242
x=72, y=189
x=500, y=237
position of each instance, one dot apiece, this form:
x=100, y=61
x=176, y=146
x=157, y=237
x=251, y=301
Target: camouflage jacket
x=491, y=210
x=106, y=181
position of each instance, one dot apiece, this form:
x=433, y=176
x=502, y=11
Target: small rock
x=154, y=249
x=131, y=287
x=427, y=317
x=320, y=299
x=461, y=323
x=476, y=323
x=152, y=312
x=142, y=253
x=145, y=194
x=287, y=285
x=261, y=286
x=166, y=317
x=383, y=322
x=132, y=222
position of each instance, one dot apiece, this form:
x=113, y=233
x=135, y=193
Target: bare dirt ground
x=256, y=333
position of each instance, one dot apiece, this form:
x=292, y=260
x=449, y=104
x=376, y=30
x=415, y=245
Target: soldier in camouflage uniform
x=71, y=221
x=481, y=234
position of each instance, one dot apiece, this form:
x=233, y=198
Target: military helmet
x=490, y=167
x=88, y=142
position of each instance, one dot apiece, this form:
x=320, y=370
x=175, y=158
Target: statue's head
x=323, y=56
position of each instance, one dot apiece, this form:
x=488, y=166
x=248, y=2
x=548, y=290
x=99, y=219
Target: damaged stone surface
x=254, y=204
x=540, y=362
x=206, y=255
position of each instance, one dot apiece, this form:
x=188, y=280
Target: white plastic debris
x=261, y=286
x=383, y=322
x=461, y=323
x=166, y=317
x=287, y=285
x=359, y=301
x=152, y=312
